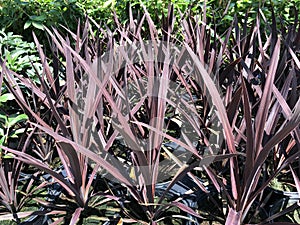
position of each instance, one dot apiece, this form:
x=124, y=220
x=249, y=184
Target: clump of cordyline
x=107, y=100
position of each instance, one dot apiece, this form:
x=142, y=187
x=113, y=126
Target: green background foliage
x=24, y=16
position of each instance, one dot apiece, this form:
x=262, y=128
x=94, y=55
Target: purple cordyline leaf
x=20, y=98
x=232, y=108
x=233, y=217
x=198, y=33
x=75, y=166
x=249, y=132
x=30, y=85
x=276, y=109
x=37, y=91
x=209, y=52
x=45, y=64
x=139, y=28
x=109, y=98
x=84, y=38
x=51, y=205
x=70, y=81
x=225, y=43
x=185, y=208
x=187, y=36
x=263, y=110
x=237, y=34
x=58, y=45
x=185, y=170
x=212, y=63
x=229, y=69
x=110, y=141
x=170, y=21
x=90, y=182
x=132, y=25
x=157, y=118
x=76, y=37
x=24, y=157
x=240, y=131
x=102, y=90
x=124, y=35
x=222, y=115
x=287, y=112
x=58, y=221
x=234, y=178
x=286, y=163
x=152, y=28
x=12, y=189
x=296, y=179
x=88, y=113
x=131, y=141
x=81, y=149
x=47, y=92
x=75, y=216
x=216, y=100
x=182, y=79
x=66, y=163
x=292, y=124
x=284, y=212
x=189, y=113
x=182, y=171
x=296, y=60
x=175, y=140
x=263, y=53
x=215, y=180
x=197, y=182
x=5, y=192
x=83, y=63
x=56, y=66
x=12, y=83
x=285, y=130
x=262, y=57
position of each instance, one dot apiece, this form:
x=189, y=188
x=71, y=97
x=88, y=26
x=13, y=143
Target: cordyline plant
x=214, y=118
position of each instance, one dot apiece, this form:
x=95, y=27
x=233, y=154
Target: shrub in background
x=22, y=16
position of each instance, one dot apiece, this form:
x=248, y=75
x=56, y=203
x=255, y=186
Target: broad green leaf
x=107, y=3
x=19, y=131
x=38, y=25
x=2, y=140
x=6, y=97
x=17, y=53
x=8, y=156
x=13, y=120
x=3, y=118
x=40, y=18
x=27, y=24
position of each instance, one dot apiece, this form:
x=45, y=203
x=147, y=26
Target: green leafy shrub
x=22, y=17
x=20, y=56
x=9, y=127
